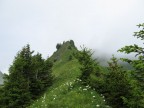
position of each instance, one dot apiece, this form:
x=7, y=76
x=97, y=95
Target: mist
x=104, y=26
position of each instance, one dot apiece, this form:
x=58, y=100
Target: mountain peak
x=64, y=51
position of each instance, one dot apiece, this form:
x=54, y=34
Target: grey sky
x=97, y=24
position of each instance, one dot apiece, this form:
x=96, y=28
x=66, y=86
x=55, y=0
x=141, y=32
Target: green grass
x=67, y=90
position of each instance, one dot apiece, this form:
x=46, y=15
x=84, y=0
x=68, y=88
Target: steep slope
x=67, y=91
x=1, y=78
x=64, y=51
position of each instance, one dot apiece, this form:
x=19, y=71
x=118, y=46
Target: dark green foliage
x=16, y=92
x=1, y=96
x=17, y=84
x=138, y=66
x=47, y=77
x=41, y=75
x=91, y=72
x=72, y=43
x=37, y=67
x=69, y=47
x=122, y=91
x=138, y=63
x=29, y=76
x=87, y=64
x=140, y=33
x=58, y=46
x=70, y=57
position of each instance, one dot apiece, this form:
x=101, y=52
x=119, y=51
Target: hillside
x=1, y=78
x=67, y=91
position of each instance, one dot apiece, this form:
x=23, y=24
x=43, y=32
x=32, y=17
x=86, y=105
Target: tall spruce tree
x=90, y=69
x=87, y=64
x=122, y=89
x=17, y=84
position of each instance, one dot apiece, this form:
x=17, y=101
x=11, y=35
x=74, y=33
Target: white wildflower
x=97, y=105
x=44, y=96
x=84, y=89
x=70, y=83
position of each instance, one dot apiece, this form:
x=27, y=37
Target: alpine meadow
x=73, y=78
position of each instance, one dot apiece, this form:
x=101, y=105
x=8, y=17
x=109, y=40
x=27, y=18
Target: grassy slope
x=67, y=92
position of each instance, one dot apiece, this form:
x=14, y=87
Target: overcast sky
x=103, y=25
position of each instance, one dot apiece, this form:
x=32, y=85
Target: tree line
x=29, y=76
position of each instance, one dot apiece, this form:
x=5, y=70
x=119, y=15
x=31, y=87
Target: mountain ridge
x=67, y=90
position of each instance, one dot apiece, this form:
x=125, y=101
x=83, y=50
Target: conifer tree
x=87, y=64
x=122, y=89
x=138, y=63
x=17, y=84
x=29, y=76
x=89, y=67
x=116, y=84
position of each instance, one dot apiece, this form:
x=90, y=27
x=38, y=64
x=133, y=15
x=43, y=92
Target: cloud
x=105, y=25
